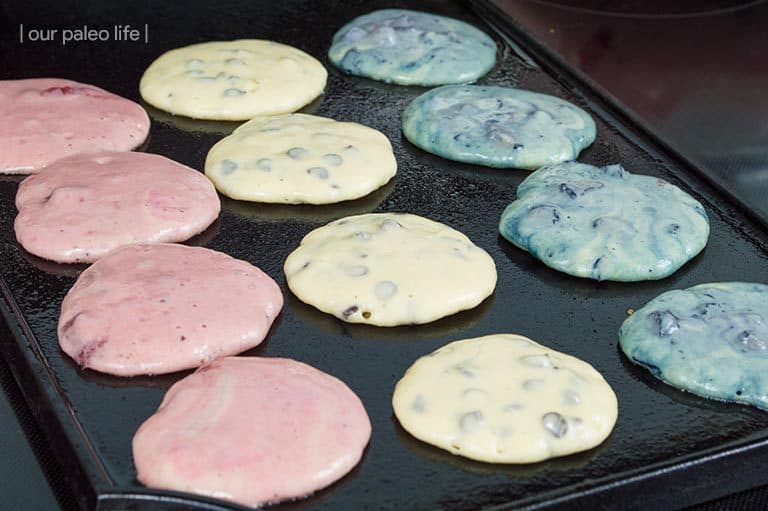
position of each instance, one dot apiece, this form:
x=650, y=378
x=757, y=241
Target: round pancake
x=497, y=126
x=300, y=159
x=253, y=431
x=710, y=339
x=389, y=269
x=604, y=223
x=79, y=208
x=505, y=399
x=44, y=119
x=154, y=309
x=233, y=80
x=412, y=48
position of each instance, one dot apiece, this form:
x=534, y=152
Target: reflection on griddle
x=205, y=126
x=307, y=212
x=188, y=124
x=685, y=398
x=52, y=267
x=523, y=470
x=583, y=287
x=74, y=270
x=450, y=326
x=162, y=382
x=205, y=237
x=13, y=178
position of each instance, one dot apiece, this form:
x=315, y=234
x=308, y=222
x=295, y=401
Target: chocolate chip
x=555, y=424
x=463, y=370
x=564, y=188
x=672, y=229
x=385, y=289
x=538, y=361
x=531, y=385
x=366, y=314
x=264, y=164
x=297, y=153
x=749, y=341
x=419, y=405
x=356, y=270
x=227, y=167
x=470, y=391
x=501, y=135
x=333, y=159
x=666, y=322
x=318, y=172
x=571, y=397
x=390, y=225
x=517, y=147
x=234, y=92
x=349, y=311
x=458, y=253
x=471, y=421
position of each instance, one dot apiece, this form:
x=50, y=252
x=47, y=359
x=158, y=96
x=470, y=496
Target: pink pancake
x=81, y=207
x=44, y=119
x=153, y=309
x=253, y=431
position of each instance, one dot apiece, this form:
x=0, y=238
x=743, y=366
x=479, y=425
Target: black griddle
x=669, y=449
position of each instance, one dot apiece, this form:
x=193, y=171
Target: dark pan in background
x=669, y=449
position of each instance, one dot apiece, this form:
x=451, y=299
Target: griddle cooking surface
x=90, y=418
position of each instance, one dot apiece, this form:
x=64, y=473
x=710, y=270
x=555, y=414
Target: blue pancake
x=412, y=48
x=497, y=126
x=604, y=223
x=711, y=339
